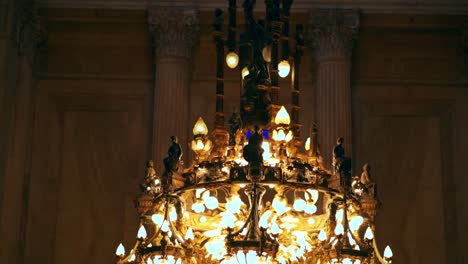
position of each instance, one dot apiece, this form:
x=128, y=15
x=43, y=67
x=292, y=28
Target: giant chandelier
x=251, y=196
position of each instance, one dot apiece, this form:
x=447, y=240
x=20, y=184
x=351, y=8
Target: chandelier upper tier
x=251, y=195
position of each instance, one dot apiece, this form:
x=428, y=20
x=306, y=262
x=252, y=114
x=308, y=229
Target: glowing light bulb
x=347, y=261
x=299, y=205
x=282, y=117
x=355, y=223
x=310, y=209
x=266, y=53
x=275, y=229
x=157, y=219
x=369, y=235
x=173, y=214
x=234, y=204
x=120, y=252
x=283, y=68
x=314, y=195
x=142, y=232
x=228, y=219
x=322, y=236
x=165, y=227
x=211, y=203
x=307, y=144
x=388, y=254
x=245, y=72
x=289, y=136
x=339, y=215
x=339, y=229
x=189, y=234
x=200, y=128
x=279, y=204
x=264, y=219
x=232, y=59
x=198, y=207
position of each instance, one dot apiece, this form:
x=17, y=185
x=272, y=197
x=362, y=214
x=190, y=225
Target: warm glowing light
x=173, y=214
x=189, y=234
x=203, y=219
x=275, y=229
x=347, y=261
x=120, y=250
x=283, y=68
x=157, y=219
x=198, y=207
x=388, y=252
x=266, y=53
x=264, y=219
x=299, y=205
x=339, y=229
x=200, y=128
x=245, y=72
x=289, y=136
x=142, y=233
x=369, y=235
x=279, y=204
x=232, y=59
x=322, y=236
x=165, y=226
x=314, y=195
x=339, y=215
x=282, y=117
x=307, y=144
x=228, y=219
x=355, y=223
x=211, y=202
x=310, y=209
x=234, y=204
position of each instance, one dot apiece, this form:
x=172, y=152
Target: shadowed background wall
x=77, y=129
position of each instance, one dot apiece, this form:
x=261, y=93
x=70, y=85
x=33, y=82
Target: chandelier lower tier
x=251, y=195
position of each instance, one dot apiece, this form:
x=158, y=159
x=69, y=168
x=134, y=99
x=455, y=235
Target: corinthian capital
x=174, y=31
x=332, y=32
x=31, y=35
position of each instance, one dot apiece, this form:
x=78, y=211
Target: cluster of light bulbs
x=232, y=60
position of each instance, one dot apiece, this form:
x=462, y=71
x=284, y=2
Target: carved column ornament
x=174, y=31
x=31, y=36
x=333, y=31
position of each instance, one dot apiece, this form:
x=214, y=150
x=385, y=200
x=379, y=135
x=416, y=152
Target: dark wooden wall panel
x=89, y=155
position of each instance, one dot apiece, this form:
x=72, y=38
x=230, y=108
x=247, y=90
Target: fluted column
x=29, y=38
x=174, y=32
x=332, y=34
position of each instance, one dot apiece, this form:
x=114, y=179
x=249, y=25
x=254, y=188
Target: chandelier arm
x=377, y=252
x=131, y=252
x=246, y=222
x=176, y=233
x=158, y=229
